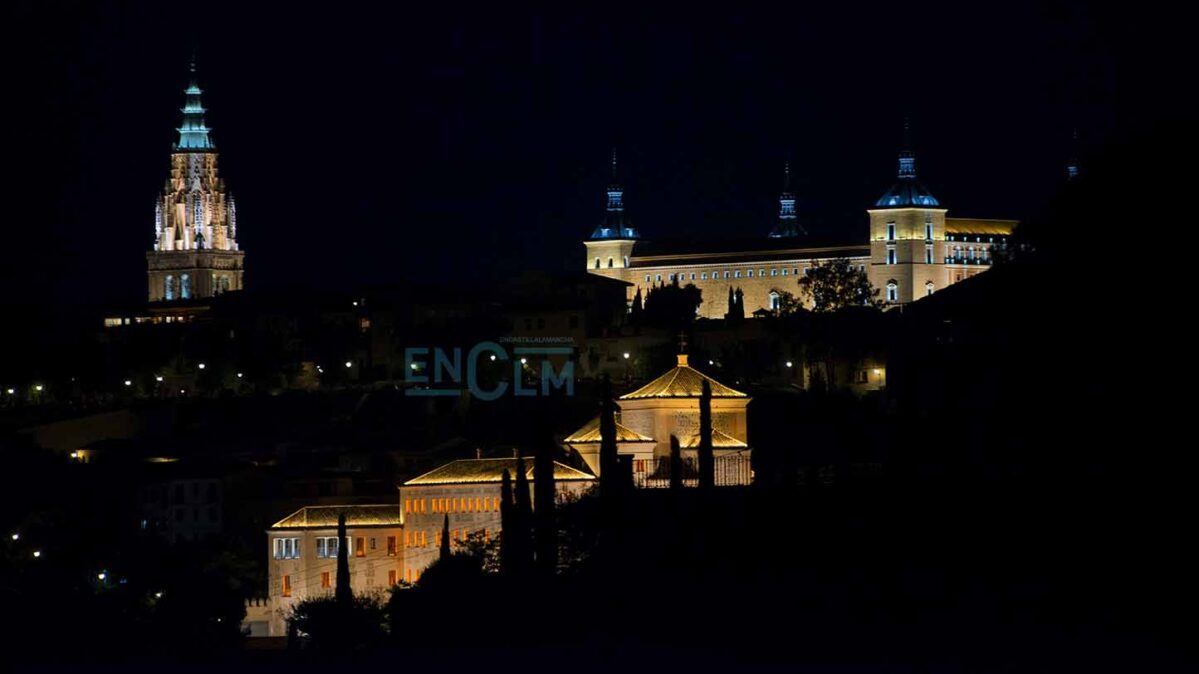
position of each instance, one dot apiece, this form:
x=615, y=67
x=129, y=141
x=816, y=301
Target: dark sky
x=443, y=140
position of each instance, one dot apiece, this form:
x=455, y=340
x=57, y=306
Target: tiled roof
x=466, y=471
x=720, y=440
x=311, y=517
x=590, y=433
x=977, y=226
x=683, y=381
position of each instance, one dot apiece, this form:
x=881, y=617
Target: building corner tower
x=195, y=253
x=611, y=244
x=907, y=237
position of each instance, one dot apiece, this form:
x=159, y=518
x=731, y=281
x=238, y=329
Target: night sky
x=440, y=142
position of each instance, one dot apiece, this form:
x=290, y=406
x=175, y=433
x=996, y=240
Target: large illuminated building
x=195, y=252
x=912, y=251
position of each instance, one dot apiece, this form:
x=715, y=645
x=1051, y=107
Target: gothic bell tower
x=195, y=252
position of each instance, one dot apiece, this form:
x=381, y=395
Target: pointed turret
x=1072, y=162
x=908, y=192
x=193, y=134
x=615, y=225
x=787, y=225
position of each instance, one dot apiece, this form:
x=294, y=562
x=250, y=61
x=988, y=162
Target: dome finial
x=907, y=158
x=1072, y=162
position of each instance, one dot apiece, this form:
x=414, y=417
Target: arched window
x=597, y=263
x=185, y=286
x=775, y=301
x=892, y=291
x=929, y=288
x=703, y=276
x=658, y=278
x=737, y=274
x=610, y=263
x=168, y=289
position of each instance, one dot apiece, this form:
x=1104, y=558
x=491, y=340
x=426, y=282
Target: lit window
x=892, y=291
x=626, y=260
x=737, y=274
x=169, y=288
x=775, y=301
x=185, y=286
x=703, y=276
x=647, y=278
x=928, y=288
x=890, y=231
x=391, y=577
x=325, y=580
x=784, y=272
x=774, y=272
x=750, y=273
x=726, y=274
x=286, y=586
x=692, y=276
x=360, y=547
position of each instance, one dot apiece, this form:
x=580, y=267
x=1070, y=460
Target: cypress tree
x=607, y=427
x=676, y=464
x=707, y=461
x=523, y=518
x=507, y=529
x=638, y=305
x=546, y=529
x=444, y=551
x=343, y=595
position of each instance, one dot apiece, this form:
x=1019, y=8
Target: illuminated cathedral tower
x=195, y=251
x=787, y=226
x=611, y=244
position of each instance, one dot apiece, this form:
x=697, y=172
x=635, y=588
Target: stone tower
x=195, y=251
x=611, y=244
x=907, y=237
x=787, y=225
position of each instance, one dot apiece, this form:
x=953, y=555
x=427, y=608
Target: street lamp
x=239, y=375
x=37, y=553
x=101, y=575
x=788, y=363
x=201, y=366
x=128, y=382
x=349, y=365
x=38, y=388
x=626, y=355
x=158, y=378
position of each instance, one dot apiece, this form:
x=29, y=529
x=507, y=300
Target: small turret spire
x=1072, y=162
x=193, y=134
x=907, y=158
x=614, y=225
x=787, y=224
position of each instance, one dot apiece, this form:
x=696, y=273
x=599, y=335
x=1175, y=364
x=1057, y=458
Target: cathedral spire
x=787, y=224
x=193, y=134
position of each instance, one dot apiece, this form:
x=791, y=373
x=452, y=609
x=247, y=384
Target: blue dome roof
x=908, y=191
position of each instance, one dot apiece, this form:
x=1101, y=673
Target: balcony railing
x=730, y=470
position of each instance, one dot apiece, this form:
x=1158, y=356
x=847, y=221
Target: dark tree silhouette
x=676, y=464
x=343, y=593
x=707, y=462
x=545, y=527
x=838, y=284
x=506, y=524
x=444, y=549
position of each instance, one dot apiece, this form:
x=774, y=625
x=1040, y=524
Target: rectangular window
x=373, y=546
x=286, y=586
x=890, y=256
x=928, y=254
x=407, y=506
x=325, y=580
x=391, y=577
x=360, y=547
x=391, y=547
x=890, y=231
x=928, y=230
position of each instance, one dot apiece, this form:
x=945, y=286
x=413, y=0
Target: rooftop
x=472, y=471
x=590, y=433
x=683, y=381
x=323, y=517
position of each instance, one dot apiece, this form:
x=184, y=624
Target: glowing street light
x=239, y=375
x=74, y=455
x=101, y=576
x=524, y=361
x=158, y=595
x=128, y=382
x=626, y=355
x=493, y=357
x=158, y=378
x=16, y=537
x=201, y=366
x=11, y=391
x=349, y=365
x=788, y=363
x=181, y=391
x=38, y=388
x=37, y=553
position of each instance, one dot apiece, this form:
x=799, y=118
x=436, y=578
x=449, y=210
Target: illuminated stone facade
x=912, y=251
x=669, y=406
x=302, y=556
x=195, y=253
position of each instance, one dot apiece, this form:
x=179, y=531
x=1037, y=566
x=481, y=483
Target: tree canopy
x=837, y=284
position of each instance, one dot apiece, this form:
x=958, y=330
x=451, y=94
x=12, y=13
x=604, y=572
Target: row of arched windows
x=611, y=262
x=184, y=289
